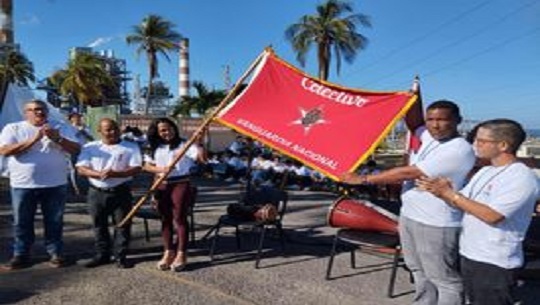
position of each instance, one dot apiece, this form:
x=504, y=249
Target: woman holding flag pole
x=173, y=196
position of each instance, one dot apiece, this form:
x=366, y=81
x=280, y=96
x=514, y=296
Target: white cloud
x=100, y=41
x=30, y=19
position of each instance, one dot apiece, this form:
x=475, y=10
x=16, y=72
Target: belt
x=177, y=179
x=115, y=189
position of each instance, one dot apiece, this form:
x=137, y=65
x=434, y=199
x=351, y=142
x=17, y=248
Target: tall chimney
x=6, y=21
x=183, y=71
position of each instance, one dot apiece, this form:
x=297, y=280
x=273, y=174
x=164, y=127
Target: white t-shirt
x=452, y=159
x=236, y=146
x=164, y=156
x=99, y=156
x=237, y=163
x=511, y=191
x=45, y=164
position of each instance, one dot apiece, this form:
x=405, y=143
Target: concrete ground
x=295, y=277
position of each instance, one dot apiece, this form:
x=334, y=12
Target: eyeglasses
x=35, y=109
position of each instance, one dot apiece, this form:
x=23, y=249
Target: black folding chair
x=260, y=195
x=376, y=241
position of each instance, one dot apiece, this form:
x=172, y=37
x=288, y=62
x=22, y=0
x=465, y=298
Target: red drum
x=361, y=215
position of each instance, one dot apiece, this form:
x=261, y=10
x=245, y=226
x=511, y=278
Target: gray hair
x=40, y=103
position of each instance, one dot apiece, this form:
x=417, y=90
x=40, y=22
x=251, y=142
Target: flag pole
x=413, y=119
x=195, y=136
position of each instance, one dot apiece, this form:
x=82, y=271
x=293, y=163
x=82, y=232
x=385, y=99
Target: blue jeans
x=431, y=253
x=24, y=202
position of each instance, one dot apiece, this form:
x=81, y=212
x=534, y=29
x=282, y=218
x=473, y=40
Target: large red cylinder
x=353, y=214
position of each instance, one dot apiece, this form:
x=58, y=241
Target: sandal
x=179, y=262
x=166, y=260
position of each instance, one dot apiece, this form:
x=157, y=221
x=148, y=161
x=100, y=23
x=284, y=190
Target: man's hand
x=37, y=137
x=50, y=132
x=352, y=178
x=106, y=174
x=440, y=187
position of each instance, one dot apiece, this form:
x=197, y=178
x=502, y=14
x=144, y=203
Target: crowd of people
x=461, y=227
x=40, y=152
x=245, y=159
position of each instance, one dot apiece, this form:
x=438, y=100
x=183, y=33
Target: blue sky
x=485, y=55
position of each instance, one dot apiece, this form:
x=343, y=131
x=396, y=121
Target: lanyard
x=428, y=150
x=472, y=194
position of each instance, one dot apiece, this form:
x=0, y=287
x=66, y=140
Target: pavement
x=296, y=276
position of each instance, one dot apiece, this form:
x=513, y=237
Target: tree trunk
x=3, y=92
x=323, y=55
x=148, y=96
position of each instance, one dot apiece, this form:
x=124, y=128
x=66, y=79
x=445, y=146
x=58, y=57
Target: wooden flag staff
x=194, y=137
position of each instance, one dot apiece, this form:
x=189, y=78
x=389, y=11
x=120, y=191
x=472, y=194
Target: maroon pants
x=173, y=205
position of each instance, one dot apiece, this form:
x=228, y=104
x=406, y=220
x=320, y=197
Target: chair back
x=283, y=198
x=193, y=190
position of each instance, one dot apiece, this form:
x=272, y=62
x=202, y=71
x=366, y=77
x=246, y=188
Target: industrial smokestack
x=183, y=71
x=6, y=21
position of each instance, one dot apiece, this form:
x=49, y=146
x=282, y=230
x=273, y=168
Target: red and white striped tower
x=183, y=68
x=6, y=21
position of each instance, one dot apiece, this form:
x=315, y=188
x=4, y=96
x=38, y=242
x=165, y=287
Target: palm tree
x=154, y=35
x=84, y=79
x=204, y=100
x=16, y=69
x=331, y=33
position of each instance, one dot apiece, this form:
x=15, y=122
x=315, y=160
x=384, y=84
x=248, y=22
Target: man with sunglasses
x=37, y=164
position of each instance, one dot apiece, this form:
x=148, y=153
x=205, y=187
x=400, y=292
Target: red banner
x=327, y=127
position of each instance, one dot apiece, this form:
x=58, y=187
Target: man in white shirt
x=238, y=145
x=80, y=186
x=498, y=203
x=109, y=164
x=37, y=163
x=83, y=133
x=428, y=227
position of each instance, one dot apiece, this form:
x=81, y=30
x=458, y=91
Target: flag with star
x=327, y=127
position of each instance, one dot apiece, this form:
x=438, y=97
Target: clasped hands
x=47, y=131
x=438, y=186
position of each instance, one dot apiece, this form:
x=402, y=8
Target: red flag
x=328, y=127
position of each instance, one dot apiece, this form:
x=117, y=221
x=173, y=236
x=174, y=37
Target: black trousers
x=102, y=205
x=487, y=284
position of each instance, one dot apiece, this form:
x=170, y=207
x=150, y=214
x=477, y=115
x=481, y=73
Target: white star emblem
x=310, y=118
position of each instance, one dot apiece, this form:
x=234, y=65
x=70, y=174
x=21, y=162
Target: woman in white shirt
x=173, y=196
